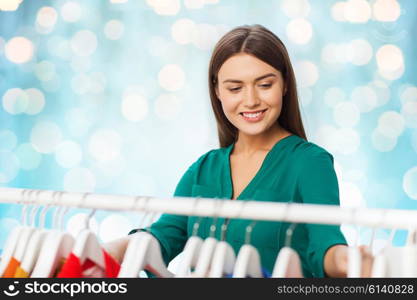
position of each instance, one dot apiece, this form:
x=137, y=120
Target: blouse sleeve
x=318, y=185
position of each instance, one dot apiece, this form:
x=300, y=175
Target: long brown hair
x=266, y=46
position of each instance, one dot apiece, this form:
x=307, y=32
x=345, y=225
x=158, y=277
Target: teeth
x=252, y=115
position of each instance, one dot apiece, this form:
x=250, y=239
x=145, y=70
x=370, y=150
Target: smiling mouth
x=254, y=114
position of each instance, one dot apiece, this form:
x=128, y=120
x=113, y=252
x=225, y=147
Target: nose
x=251, y=98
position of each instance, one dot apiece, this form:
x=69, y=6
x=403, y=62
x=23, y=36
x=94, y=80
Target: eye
x=234, y=89
x=266, y=85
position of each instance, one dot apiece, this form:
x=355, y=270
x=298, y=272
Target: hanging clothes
x=11, y=268
x=293, y=170
x=74, y=269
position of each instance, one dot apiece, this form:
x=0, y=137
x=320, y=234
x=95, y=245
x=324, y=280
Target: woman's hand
x=336, y=261
x=117, y=248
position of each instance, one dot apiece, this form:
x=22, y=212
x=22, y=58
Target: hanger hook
x=91, y=213
x=57, y=209
x=24, y=207
x=42, y=216
x=196, y=224
x=63, y=213
x=290, y=230
x=249, y=228
x=36, y=206
x=213, y=225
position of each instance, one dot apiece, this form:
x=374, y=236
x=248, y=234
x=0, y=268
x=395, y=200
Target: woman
x=264, y=156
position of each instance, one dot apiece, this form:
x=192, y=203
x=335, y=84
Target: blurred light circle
x=45, y=136
x=182, y=31
x=389, y=58
x=10, y=5
x=44, y=70
x=348, y=141
x=171, y=77
x=386, y=10
x=47, y=16
x=307, y=73
x=409, y=94
x=167, y=106
x=84, y=43
x=409, y=112
x=296, y=8
x=36, y=101
x=194, y=4
x=299, y=31
x=392, y=75
x=364, y=97
x=78, y=121
x=382, y=142
x=338, y=11
x=80, y=84
x=382, y=91
x=357, y=11
x=52, y=85
x=28, y=157
x=165, y=7
x=79, y=180
x=359, y=52
x=114, y=29
x=9, y=166
x=8, y=140
x=329, y=53
x=327, y=137
x=81, y=64
x=333, y=96
x=71, y=11
x=410, y=183
x=350, y=195
x=346, y=114
x=15, y=101
x=60, y=47
x=391, y=124
x=114, y=226
x=19, y=50
x=204, y=36
x=68, y=154
x=98, y=82
x=105, y=145
x=134, y=107
x=77, y=222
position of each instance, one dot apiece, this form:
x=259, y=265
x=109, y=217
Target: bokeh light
x=80, y=180
x=45, y=136
x=19, y=50
x=410, y=183
x=105, y=144
x=171, y=77
x=299, y=31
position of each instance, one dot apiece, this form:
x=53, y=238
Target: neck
x=251, y=144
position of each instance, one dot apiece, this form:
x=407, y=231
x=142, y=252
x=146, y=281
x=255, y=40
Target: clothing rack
x=252, y=210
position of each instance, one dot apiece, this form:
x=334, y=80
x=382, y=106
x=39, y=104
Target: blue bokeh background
x=111, y=96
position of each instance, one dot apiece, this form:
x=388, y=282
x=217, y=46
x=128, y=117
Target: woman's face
x=250, y=92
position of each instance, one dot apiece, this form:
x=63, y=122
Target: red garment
x=73, y=268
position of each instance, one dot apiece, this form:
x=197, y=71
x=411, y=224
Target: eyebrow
x=256, y=79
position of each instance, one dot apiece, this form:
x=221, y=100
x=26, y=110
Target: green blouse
x=294, y=170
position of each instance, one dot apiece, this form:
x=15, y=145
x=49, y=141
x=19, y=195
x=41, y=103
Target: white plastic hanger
x=35, y=244
x=56, y=247
x=143, y=253
x=87, y=245
x=288, y=264
x=224, y=257
x=13, y=239
x=248, y=261
x=191, y=250
x=380, y=263
x=207, y=251
x=26, y=232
